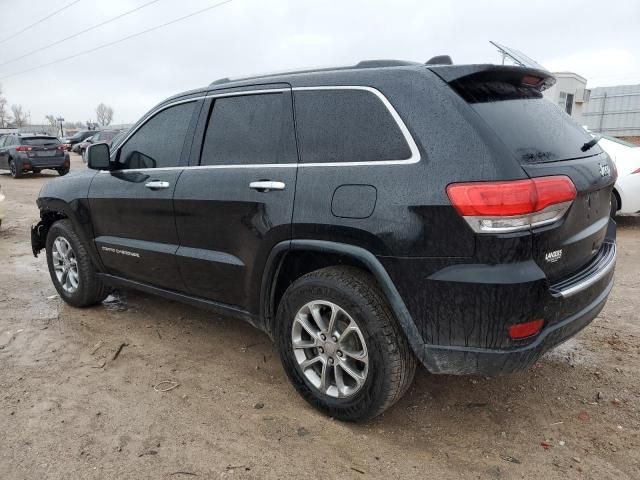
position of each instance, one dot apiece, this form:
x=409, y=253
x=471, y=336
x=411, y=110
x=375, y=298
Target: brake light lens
x=60, y=147
x=23, y=148
x=531, y=81
x=525, y=330
x=509, y=206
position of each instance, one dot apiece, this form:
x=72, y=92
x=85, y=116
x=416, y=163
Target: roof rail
x=361, y=64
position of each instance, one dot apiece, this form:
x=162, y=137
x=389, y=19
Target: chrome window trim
x=413, y=147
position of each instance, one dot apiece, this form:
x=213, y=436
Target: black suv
x=366, y=218
x=21, y=153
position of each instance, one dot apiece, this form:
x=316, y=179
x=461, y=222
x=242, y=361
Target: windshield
x=39, y=141
x=106, y=136
x=79, y=136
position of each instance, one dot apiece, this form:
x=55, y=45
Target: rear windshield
x=39, y=141
x=535, y=129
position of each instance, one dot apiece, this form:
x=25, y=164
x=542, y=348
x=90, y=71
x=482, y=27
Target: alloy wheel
x=330, y=349
x=65, y=265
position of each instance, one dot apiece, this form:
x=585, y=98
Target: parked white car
x=1, y=207
x=626, y=192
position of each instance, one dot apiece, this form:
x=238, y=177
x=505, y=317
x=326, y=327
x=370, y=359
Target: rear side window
x=39, y=141
x=347, y=126
x=158, y=143
x=250, y=129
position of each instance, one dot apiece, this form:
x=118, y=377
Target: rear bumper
x=483, y=361
x=463, y=311
x=46, y=162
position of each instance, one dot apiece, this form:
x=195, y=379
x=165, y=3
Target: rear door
x=236, y=200
x=132, y=207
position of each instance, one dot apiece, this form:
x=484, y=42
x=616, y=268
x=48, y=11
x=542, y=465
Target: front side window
x=347, y=126
x=158, y=143
x=250, y=129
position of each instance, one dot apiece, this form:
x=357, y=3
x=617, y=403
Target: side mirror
x=98, y=156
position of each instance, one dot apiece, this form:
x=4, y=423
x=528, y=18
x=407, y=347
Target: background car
x=1, y=207
x=625, y=198
x=104, y=136
x=77, y=138
x=82, y=146
x=20, y=153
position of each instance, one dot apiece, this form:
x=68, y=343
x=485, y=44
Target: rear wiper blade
x=591, y=143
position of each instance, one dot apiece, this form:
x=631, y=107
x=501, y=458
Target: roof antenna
x=440, y=60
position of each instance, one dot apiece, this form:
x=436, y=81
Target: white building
x=570, y=93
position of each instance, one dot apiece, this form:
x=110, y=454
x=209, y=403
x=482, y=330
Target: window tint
x=347, y=126
x=158, y=143
x=535, y=130
x=40, y=141
x=250, y=129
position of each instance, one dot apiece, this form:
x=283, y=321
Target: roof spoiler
x=467, y=74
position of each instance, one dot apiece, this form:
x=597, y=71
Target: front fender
x=66, y=197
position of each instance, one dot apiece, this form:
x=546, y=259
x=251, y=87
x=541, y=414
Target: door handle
x=156, y=185
x=267, y=185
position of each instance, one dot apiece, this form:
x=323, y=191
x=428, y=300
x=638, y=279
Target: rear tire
x=369, y=332
x=614, y=205
x=63, y=171
x=81, y=286
x=15, y=171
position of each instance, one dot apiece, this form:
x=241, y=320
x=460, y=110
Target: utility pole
x=60, y=119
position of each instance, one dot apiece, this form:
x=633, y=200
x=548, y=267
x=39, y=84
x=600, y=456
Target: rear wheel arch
x=618, y=198
x=291, y=260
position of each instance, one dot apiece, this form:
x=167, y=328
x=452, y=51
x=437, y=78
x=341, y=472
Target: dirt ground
x=70, y=410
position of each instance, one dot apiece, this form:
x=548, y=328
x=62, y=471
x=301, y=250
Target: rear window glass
x=535, y=130
x=347, y=126
x=39, y=141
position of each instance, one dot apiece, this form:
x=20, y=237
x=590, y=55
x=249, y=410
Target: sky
x=598, y=40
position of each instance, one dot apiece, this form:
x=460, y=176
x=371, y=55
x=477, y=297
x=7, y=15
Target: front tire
x=71, y=269
x=341, y=346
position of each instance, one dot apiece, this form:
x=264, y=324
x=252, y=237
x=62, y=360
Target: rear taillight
x=23, y=148
x=60, y=147
x=509, y=206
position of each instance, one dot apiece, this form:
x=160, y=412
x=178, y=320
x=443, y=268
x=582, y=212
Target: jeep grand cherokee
x=366, y=218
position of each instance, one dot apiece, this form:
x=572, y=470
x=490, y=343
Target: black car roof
x=354, y=74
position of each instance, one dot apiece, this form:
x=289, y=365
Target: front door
x=236, y=200
x=132, y=206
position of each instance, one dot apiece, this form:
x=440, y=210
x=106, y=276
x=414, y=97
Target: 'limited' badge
x=553, y=257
